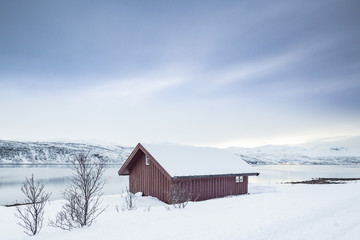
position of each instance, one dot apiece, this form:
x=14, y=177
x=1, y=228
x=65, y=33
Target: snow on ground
x=270, y=212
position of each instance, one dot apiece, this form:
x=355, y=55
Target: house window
x=239, y=179
x=147, y=160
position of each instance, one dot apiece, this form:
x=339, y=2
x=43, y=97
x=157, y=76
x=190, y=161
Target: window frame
x=239, y=179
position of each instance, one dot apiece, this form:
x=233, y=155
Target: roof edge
x=157, y=164
x=139, y=147
x=217, y=175
x=128, y=160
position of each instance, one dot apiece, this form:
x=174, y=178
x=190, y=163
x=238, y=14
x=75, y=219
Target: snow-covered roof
x=182, y=160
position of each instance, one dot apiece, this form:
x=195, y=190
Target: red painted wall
x=152, y=181
x=214, y=187
x=147, y=179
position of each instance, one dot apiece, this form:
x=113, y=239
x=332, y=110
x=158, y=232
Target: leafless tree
x=83, y=196
x=179, y=196
x=31, y=213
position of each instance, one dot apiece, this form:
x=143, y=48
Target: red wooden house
x=208, y=172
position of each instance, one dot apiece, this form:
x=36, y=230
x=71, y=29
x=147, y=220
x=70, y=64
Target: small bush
x=179, y=196
x=129, y=201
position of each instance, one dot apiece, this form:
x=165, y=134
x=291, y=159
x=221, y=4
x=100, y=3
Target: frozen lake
x=55, y=177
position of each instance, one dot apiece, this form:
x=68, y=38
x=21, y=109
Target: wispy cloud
x=266, y=66
x=200, y=70
x=136, y=88
x=251, y=70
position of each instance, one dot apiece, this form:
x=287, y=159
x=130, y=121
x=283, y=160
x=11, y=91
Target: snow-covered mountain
x=339, y=151
x=14, y=152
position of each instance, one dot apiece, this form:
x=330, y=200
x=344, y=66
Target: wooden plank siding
x=205, y=188
x=147, y=179
x=154, y=180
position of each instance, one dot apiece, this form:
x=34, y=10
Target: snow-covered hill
x=340, y=151
x=344, y=151
x=14, y=152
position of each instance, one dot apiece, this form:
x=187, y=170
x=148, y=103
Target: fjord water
x=275, y=174
x=55, y=177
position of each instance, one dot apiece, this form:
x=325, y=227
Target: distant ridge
x=339, y=151
x=335, y=151
x=17, y=152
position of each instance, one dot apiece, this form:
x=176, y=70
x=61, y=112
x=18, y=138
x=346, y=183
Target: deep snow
x=184, y=160
x=269, y=212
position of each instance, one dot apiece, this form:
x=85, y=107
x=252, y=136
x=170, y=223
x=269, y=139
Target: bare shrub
x=32, y=213
x=117, y=208
x=179, y=196
x=128, y=202
x=83, y=196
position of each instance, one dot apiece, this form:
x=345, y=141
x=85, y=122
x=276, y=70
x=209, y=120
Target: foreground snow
x=269, y=212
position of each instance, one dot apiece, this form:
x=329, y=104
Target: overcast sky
x=215, y=73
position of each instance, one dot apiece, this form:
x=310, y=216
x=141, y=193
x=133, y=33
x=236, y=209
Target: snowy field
x=269, y=212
